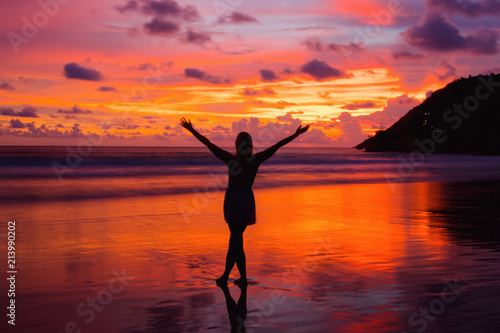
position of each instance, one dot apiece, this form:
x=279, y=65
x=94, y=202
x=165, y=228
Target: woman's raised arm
x=262, y=156
x=218, y=152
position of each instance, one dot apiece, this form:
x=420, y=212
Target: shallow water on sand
x=336, y=258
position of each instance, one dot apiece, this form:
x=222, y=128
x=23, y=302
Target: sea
x=66, y=173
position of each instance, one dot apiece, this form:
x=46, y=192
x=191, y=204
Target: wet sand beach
x=335, y=258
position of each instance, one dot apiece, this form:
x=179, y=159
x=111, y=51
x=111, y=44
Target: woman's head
x=244, y=145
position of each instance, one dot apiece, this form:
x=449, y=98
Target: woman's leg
x=241, y=261
x=230, y=258
x=235, y=253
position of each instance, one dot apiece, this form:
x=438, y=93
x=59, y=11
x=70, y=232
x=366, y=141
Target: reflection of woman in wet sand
x=239, y=202
x=237, y=311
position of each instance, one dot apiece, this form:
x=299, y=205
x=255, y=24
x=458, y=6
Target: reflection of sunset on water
x=335, y=253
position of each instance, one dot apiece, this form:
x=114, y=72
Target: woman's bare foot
x=221, y=282
x=241, y=282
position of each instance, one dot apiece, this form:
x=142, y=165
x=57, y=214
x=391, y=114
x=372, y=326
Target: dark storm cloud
x=6, y=86
x=204, y=76
x=435, y=33
x=237, y=18
x=75, y=71
x=106, y=88
x=16, y=123
x=160, y=8
x=317, y=45
x=407, y=55
x=197, y=37
x=268, y=75
x=27, y=111
x=320, y=70
x=467, y=7
x=169, y=8
x=159, y=26
x=74, y=110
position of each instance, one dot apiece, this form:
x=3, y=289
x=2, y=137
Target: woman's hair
x=244, y=145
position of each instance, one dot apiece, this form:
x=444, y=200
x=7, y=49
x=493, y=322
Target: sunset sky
x=127, y=70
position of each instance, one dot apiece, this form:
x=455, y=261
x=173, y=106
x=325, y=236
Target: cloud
x=491, y=71
x=6, y=86
x=269, y=133
x=283, y=104
x=257, y=92
x=17, y=124
x=359, y=105
x=146, y=66
x=352, y=132
x=268, y=75
x=128, y=127
x=435, y=33
x=287, y=117
x=221, y=128
x=106, y=88
x=407, y=55
x=203, y=76
x=26, y=80
x=130, y=5
x=450, y=71
x=161, y=27
x=237, y=18
x=395, y=109
x=75, y=71
x=160, y=8
x=43, y=130
x=170, y=8
x=320, y=70
x=27, y=111
x=74, y=110
x=279, y=105
x=324, y=94
x=7, y=112
x=467, y=7
x=317, y=45
x=197, y=37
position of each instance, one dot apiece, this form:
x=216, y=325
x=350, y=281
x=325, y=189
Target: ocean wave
x=27, y=173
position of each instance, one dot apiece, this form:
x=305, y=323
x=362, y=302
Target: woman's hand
x=186, y=124
x=301, y=129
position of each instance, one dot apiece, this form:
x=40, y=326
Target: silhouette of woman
x=239, y=201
